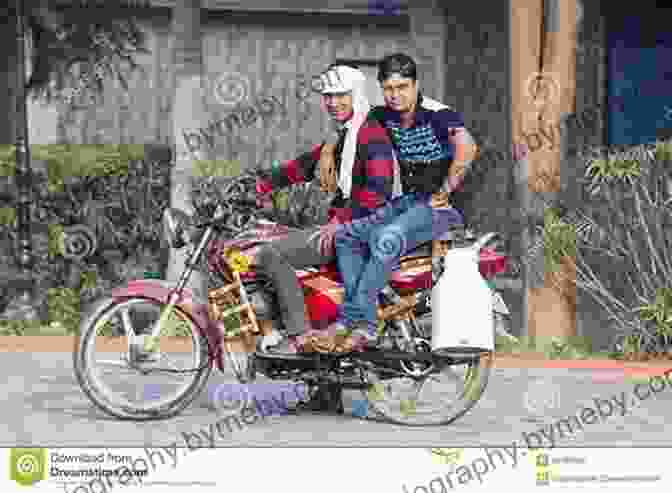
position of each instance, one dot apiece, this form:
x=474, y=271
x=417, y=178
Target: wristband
x=275, y=167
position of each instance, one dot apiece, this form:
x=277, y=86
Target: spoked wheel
x=425, y=394
x=140, y=382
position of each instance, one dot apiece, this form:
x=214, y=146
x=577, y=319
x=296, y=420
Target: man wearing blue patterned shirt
x=433, y=150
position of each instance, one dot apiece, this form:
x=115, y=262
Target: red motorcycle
x=161, y=329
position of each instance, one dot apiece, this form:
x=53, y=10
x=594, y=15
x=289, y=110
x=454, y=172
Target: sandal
x=335, y=339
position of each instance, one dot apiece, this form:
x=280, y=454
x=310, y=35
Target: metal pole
x=24, y=255
x=23, y=165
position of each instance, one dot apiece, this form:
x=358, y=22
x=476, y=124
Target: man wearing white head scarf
x=350, y=78
x=356, y=164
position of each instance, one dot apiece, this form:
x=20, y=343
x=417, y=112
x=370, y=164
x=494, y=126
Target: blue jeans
x=369, y=249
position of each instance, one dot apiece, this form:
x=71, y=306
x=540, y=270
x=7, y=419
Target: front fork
x=152, y=339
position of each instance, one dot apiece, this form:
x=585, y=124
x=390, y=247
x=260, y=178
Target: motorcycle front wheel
x=143, y=385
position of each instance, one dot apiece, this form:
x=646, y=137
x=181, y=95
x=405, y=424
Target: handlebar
x=236, y=194
x=221, y=217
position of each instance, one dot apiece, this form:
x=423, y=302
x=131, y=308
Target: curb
x=607, y=371
x=68, y=344
x=608, y=368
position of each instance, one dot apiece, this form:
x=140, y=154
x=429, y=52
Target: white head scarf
x=343, y=79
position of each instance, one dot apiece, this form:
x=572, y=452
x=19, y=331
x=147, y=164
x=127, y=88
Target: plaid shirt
x=372, y=173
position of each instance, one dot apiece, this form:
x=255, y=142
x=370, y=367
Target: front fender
x=159, y=290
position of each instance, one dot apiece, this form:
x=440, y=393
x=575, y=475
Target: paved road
x=44, y=406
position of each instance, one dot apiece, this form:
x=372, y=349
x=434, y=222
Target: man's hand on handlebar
x=264, y=189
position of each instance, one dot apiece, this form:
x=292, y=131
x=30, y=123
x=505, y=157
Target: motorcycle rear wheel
x=99, y=319
x=405, y=407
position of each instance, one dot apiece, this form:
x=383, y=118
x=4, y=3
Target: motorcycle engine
x=265, y=304
x=423, y=312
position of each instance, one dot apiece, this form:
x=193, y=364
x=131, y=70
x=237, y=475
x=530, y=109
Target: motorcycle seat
x=422, y=250
x=425, y=249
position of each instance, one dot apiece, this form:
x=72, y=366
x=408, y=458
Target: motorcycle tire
x=476, y=376
x=90, y=385
x=393, y=410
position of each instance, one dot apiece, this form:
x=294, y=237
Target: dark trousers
x=278, y=261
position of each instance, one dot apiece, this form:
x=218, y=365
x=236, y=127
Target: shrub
x=118, y=192
x=625, y=260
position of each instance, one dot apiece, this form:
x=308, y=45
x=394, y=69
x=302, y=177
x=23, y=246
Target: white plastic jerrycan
x=462, y=304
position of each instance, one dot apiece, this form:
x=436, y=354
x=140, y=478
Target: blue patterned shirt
x=428, y=139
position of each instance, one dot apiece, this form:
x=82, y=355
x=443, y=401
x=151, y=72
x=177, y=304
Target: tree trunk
x=553, y=306
x=188, y=114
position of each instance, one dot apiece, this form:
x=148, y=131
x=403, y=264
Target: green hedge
x=118, y=192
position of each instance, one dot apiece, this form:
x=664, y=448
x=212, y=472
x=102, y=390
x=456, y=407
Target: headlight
x=175, y=227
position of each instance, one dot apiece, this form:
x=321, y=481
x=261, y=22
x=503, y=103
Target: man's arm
x=450, y=128
x=465, y=150
x=297, y=170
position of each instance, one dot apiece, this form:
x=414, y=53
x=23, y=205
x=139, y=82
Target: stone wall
x=428, y=43
x=591, y=73
x=477, y=83
x=249, y=54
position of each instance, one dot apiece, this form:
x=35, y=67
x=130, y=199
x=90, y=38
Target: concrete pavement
x=44, y=406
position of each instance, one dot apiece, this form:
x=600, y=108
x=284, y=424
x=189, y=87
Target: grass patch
x=554, y=348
